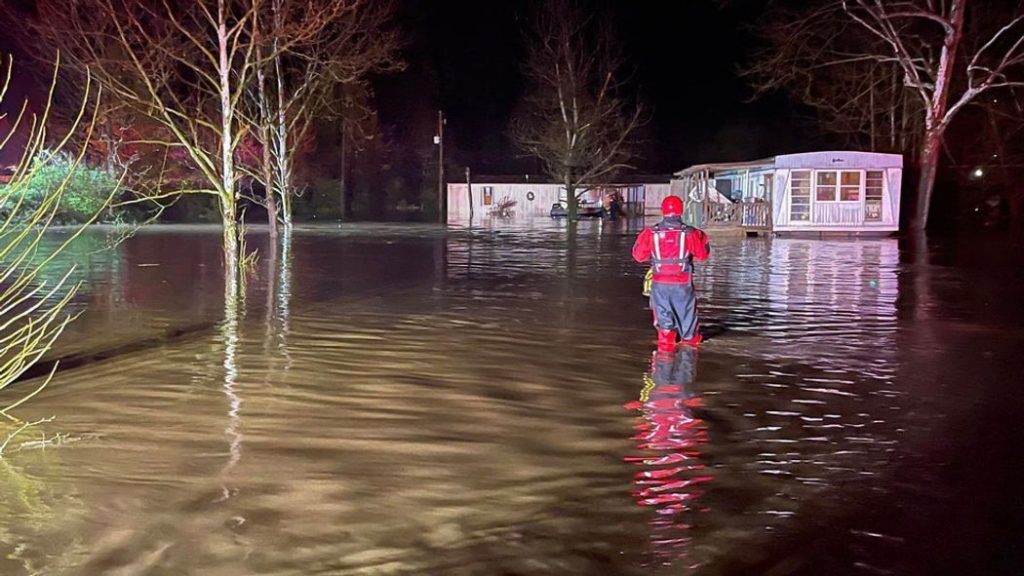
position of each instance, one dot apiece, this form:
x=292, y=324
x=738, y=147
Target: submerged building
x=816, y=192
x=534, y=196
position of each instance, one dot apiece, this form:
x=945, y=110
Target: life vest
x=669, y=256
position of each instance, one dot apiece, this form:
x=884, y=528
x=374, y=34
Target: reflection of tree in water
x=670, y=438
x=278, y=281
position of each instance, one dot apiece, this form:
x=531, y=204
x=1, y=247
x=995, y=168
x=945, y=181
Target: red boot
x=696, y=340
x=666, y=340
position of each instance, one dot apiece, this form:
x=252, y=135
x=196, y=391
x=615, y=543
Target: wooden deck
x=739, y=216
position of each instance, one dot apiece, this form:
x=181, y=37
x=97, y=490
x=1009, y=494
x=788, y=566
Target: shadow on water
x=407, y=400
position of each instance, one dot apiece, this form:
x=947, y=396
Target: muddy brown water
x=407, y=400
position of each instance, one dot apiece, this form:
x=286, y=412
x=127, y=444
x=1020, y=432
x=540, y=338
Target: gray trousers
x=675, y=308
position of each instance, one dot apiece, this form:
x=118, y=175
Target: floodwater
x=407, y=400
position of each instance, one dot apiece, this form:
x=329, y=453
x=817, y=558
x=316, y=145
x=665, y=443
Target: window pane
x=873, y=185
x=800, y=197
x=802, y=182
x=851, y=179
x=873, y=197
x=825, y=191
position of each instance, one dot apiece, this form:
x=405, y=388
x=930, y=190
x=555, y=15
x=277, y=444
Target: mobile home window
x=873, y=195
x=849, y=186
x=825, y=187
x=488, y=195
x=800, y=196
x=833, y=186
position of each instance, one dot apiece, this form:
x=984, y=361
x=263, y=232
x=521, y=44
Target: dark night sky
x=464, y=55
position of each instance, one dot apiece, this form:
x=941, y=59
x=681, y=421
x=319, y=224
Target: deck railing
x=756, y=215
x=745, y=215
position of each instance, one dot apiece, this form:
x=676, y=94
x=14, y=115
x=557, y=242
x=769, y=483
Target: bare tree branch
x=575, y=118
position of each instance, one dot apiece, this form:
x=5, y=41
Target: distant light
x=978, y=172
x=437, y=139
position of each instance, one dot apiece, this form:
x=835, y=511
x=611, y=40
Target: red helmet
x=672, y=206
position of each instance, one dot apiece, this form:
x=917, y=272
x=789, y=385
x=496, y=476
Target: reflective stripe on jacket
x=674, y=251
x=670, y=256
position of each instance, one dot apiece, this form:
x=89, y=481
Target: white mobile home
x=531, y=196
x=850, y=192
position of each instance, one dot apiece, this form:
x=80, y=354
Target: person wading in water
x=671, y=247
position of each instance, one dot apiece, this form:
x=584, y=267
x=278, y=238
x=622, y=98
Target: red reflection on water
x=670, y=437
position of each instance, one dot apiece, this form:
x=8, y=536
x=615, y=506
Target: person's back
x=671, y=246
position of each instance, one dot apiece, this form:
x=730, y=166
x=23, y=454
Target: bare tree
x=927, y=39
x=358, y=122
x=314, y=46
x=817, y=55
x=947, y=53
x=186, y=66
x=575, y=118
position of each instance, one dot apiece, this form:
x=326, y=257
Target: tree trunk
x=284, y=170
x=268, y=178
x=871, y=98
x=268, y=166
x=570, y=201
x=937, y=119
x=469, y=194
x=926, y=182
x=112, y=155
x=343, y=204
x=892, y=110
x=228, y=198
x=232, y=262
x=268, y=173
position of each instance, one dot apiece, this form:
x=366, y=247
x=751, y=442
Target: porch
x=730, y=196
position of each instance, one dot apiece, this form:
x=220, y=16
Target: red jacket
x=674, y=265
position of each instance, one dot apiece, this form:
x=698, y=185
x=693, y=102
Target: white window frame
x=810, y=198
x=885, y=194
x=838, y=187
x=861, y=194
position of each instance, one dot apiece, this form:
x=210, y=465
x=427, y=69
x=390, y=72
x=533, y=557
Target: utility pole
x=442, y=208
